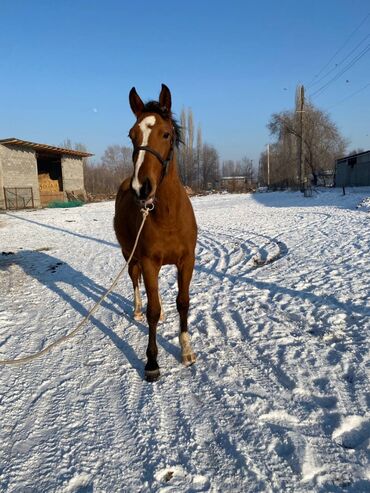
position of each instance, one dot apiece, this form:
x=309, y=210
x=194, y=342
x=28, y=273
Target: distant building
x=353, y=170
x=325, y=178
x=33, y=175
x=236, y=184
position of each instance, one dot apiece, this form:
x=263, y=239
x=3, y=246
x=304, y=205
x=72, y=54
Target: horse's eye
x=166, y=135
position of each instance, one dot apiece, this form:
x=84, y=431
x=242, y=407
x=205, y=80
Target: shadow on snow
x=62, y=230
x=53, y=273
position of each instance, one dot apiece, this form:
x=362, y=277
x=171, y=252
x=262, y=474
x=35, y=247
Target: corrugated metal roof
x=352, y=155
x=44, y=147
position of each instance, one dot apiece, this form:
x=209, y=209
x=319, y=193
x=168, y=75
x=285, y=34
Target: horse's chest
x=167, y=246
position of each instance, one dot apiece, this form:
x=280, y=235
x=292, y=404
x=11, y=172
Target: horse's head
x=153, y=136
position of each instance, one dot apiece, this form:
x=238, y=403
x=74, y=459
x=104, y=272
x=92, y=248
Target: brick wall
x=2, y=200
x=73, y=175
x=18, y=168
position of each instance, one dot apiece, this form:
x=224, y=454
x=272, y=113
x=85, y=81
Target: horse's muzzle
x=145, y=189
x=146, y=195
x=148, y=203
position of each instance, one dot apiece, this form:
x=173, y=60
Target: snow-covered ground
x=278, y=399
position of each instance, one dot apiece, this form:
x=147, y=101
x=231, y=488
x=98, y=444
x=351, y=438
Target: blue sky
x=66, y=67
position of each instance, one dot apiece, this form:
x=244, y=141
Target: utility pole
x=268, y=165
x=301, y=158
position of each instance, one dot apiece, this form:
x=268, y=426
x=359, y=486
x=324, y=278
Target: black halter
x=164, y=162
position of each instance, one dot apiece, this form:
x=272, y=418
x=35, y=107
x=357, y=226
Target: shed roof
x=44, y=147
x=352, y=155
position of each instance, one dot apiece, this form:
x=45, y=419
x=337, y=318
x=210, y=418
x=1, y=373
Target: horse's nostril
x=145, y=189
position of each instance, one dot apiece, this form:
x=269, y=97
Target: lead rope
x=25, y=359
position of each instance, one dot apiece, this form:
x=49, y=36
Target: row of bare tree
x=104, y=177
x=199, y=163
x=243, y=168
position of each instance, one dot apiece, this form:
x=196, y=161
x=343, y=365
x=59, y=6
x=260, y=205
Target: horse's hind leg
x=134, y=271
x=161, y=317
x=185, y=272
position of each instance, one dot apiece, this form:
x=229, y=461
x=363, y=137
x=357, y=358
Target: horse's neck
x=170, y=192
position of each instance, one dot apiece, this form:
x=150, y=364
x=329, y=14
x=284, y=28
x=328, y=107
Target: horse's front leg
x=135, y=273
x=150, y=274
x=185, y=272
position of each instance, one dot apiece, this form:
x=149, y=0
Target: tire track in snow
x=248, y=455
x=33, y=425
x=349, y=395
x=238, y=409
x=326, y=451
x=282, y=399
x=246, y=253
x=246, y=236
x=211, y=448
x=245, y=368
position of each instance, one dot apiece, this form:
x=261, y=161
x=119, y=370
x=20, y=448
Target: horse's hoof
x=139, y=316
x=188, y=359
x=152, y=375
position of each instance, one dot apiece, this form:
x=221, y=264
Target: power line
x=349, y=97
x=344, y=70
x=339, y=63
x=341, y=48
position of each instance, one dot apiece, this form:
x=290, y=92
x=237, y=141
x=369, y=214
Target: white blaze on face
x=145, y=127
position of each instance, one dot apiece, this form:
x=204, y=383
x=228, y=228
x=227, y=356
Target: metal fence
x=18, y=198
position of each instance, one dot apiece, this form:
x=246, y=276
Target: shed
x=236, y=184
x=33, y=175
x=353, y=170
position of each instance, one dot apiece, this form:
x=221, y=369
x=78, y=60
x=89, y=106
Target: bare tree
x=356, y=151
x=228, y=168
x=106, y=176
x=247, y=170
x=67, y=144
x=199, y=157
x=118, y=159
x=322, y=142
x=190, y=164
x=181, y=156
x=210, y=166
x=189, y=157
x=242, y=167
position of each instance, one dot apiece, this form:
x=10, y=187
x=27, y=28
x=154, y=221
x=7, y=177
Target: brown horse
x=170, y=231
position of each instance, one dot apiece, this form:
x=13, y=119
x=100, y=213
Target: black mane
x=155, y=107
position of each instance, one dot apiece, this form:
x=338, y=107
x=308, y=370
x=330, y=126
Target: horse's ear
x=136, y=103
x=165, y=98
